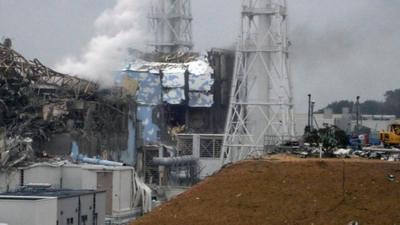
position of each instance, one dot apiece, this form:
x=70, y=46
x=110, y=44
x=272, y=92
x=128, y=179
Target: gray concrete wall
x=101, y=207
x=122, y=191
x=43, y=174
x=208, y=167
x=71, y=177
x=9, y=180
x=24, y=212
x=70, y=209
x=67, y=208
x=87, y=209
x=89, y=180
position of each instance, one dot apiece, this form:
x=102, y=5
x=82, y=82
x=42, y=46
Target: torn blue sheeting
x=150, y=131
x=174, y=96
x=129, y=156
x=142, y=66
x=202, y=82
x=173, y=77
x=149, y=92
x=139, y=76
x=200, y=100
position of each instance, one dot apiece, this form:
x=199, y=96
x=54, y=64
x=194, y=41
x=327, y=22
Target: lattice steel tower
x=171, y=24
x=261, y=107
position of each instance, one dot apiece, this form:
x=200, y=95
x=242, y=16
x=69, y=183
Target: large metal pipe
x=82, y=158
x=175, y=161
x=99, y=161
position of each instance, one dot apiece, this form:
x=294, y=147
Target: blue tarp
x=202, y=82
x=150, y=130
x=200, y=100
x=171, y=87
x=149, y=92
x=173, y=78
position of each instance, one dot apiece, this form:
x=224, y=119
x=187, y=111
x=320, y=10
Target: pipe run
x=96, y=161
x=175, y=161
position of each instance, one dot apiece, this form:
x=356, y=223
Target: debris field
x=41, y=109
x=285, y=190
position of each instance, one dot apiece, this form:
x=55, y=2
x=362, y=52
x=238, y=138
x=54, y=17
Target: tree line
x=390, y=106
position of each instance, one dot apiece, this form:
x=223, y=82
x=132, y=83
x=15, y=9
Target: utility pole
x=309, y=112
x=312, y=116
x=358, y=115
x=261, y=105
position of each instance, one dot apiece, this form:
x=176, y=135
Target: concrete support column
x=196, y=145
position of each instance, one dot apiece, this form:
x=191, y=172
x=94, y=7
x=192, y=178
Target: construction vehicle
x=391, y=137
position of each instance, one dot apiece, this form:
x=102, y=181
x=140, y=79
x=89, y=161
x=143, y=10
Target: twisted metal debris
x=12, y=63
x=37, y=103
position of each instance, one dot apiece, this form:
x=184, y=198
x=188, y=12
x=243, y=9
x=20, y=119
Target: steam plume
x=117, y=30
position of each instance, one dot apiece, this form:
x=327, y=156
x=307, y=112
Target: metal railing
x=207, y=146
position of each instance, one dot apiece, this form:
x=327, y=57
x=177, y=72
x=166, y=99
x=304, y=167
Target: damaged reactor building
x=42, y=112
x=60, y=133
x=157, y=131
x=161, y=125
x=182, y=100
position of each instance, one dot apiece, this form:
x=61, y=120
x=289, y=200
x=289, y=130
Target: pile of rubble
x=37, y=102
x=371, y=152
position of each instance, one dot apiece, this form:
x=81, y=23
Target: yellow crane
x=391, y=137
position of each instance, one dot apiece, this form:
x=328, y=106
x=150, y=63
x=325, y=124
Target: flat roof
x=83, y=166
x=24, y=198
x=36, y=192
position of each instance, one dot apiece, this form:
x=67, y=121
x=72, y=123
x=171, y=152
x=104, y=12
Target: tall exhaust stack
x=261, y=108
x=171, y=24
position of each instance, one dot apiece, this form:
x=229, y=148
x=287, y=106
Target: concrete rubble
x=368, y=152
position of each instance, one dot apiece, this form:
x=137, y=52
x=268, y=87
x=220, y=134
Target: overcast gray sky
x=340, y=49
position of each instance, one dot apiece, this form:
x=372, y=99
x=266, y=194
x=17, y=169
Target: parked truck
x=391, y=137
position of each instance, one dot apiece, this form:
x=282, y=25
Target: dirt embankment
x=286, y=191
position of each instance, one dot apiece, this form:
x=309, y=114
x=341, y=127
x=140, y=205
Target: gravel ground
x=285, y=190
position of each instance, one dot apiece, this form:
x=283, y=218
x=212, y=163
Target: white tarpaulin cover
x=172, y=83
x=174, y=96
x=173, y=77
x=202, y=82
x=200, y=67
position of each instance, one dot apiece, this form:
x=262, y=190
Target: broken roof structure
x=42, y=112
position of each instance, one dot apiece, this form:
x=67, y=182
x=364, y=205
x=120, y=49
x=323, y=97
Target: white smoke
x=117, y=30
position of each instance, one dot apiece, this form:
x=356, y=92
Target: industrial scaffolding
x=261, y=106
x=171, y=25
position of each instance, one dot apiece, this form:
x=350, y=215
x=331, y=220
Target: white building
x=374, y=123
x=49, y=207
x=126, y=196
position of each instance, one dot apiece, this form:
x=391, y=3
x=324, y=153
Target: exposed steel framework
x=171, y=24
x=261, y=104
x=12, y=62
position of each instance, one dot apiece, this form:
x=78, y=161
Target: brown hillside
x=289, y=191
